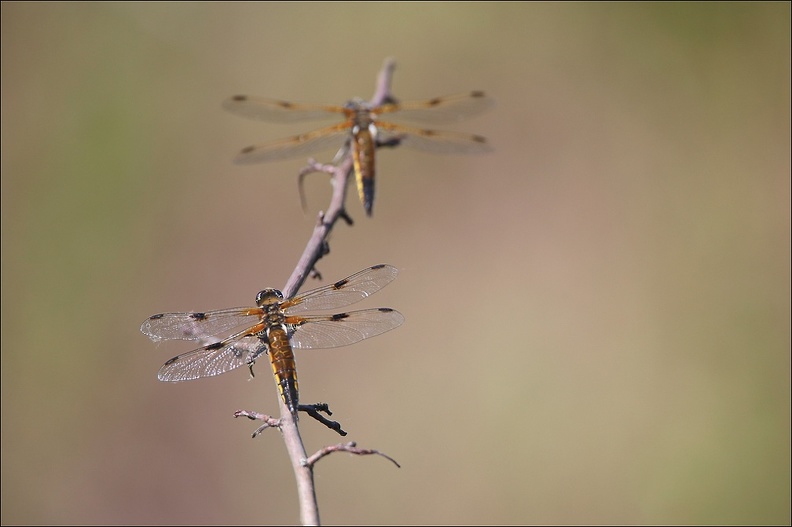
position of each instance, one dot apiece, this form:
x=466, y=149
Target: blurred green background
x=598, y=312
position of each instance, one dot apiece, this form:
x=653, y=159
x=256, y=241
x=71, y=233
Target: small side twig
x=311, y=409
x=269, y=421
x=314, y=409
x=350, y=447
x=312, y=167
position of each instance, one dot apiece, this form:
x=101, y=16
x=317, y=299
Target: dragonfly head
x=357, y=104
x=268, y=297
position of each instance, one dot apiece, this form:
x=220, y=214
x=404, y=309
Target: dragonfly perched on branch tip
x=363, y=128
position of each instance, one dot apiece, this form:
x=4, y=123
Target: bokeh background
x=598, y=312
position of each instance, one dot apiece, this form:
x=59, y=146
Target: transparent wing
x=331, y=331
x=296, y=146
x=343, y=292
x=238, y=350
x=436, y=141
x=279, y=111
x=446, y=109
x=194, y=326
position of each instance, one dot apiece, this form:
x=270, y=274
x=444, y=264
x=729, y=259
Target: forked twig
x=269, y=421
x=311, y=409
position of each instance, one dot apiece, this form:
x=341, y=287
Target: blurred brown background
x=598, y=312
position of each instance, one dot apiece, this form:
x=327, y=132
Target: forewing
x=296, y=146
x=343, y=292
x=197, y=325
x=213, y=359
x=331, y=331
x=279, y=111
x=446, y=109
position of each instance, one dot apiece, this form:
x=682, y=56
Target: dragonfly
x=363, y=130
x=274, y=327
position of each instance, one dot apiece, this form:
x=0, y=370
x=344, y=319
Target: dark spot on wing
x=198, y=316
x=479, y=139
x=384, y=309
x=340, y=284
x=247, y=149
x=171, y=361
x=285, y=104
x=477, y=94
x=340, y=316
x=435, y=101
x=156, y=317
x=239, y=98
x=214, y=346
x=378, y=266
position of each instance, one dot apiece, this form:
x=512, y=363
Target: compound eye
x=268, y=297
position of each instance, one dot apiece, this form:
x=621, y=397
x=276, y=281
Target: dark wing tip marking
x=476, y=94
x=239, y=98
x=385, y=309
x=379, y=266
x=340, y=316
x=215, y=345
x=247, y=149
x=157, y=316
x=172, y=360
x=198, y=316
x=340, y=283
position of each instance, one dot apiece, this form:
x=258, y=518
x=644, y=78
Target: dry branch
x=314, y=250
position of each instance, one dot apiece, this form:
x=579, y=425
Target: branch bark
x=314, y=250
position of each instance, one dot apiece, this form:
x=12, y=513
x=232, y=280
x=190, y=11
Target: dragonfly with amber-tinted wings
x=274, y=327
x=364, y=129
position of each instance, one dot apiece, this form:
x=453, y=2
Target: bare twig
x=311, y=409
x=312, y=167
x=350, y=447
x=269, y=421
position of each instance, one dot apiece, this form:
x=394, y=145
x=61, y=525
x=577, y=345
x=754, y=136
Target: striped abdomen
x=283, y=366
x=363, y=156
